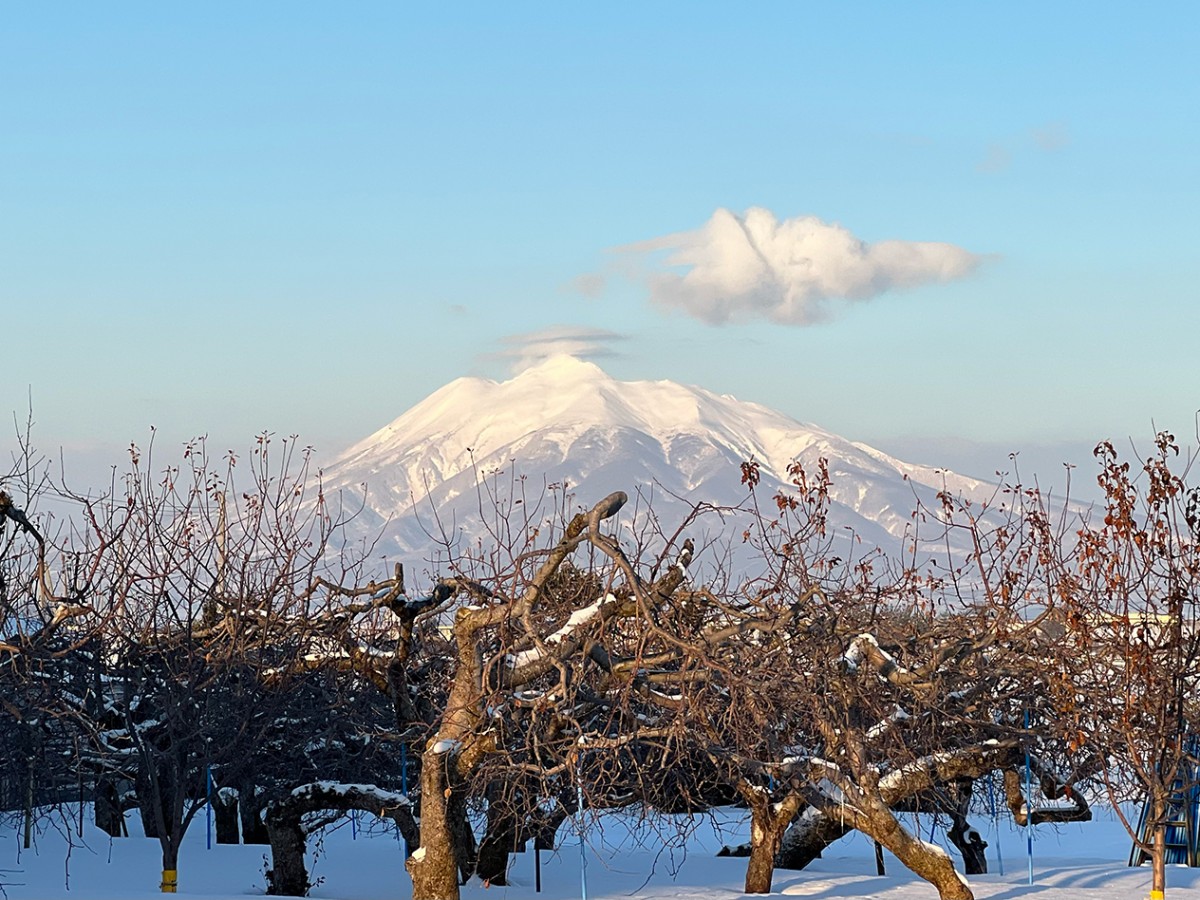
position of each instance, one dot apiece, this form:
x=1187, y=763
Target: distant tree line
x=205, y=632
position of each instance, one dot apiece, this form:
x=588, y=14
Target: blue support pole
x=404, y=791
x=1028, y=799
x=582, y=846
x=208, y=792
x=404, y=769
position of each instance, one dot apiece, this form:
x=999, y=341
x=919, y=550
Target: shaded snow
x=1079, y=861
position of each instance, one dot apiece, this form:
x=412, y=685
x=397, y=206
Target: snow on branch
x=327, y=790
x=865, y=648
x=331, y=795
x=885, y=725
x=574, y=622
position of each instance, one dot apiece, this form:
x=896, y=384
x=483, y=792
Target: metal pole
x=208, y=790
x=995, y=821
x=404, y=791
x=1028, y=799
x=582, y=847
x=79, y=772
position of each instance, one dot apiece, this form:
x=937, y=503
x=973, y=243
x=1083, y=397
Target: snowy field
x=1080, y=862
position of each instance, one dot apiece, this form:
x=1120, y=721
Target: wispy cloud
x=1048, y=138
x=590, y=284
x=997, y=159
x=520, y=351
x=754, y=266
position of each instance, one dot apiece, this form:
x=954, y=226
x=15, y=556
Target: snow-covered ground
x=1073, y=862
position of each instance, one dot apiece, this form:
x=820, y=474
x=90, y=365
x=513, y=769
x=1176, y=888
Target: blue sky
x=229, y=218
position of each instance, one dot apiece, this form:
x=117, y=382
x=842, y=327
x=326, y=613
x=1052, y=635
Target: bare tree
x=199, y=625
x=197, y=597
x=1125, y=685
x=44, y=617
x=507, y=651
x=865, y=688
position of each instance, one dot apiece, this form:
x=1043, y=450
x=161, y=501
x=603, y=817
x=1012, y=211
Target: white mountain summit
x=566, y=425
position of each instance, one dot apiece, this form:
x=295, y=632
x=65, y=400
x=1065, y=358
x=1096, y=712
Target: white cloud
x=583, y=342
x=737, y=268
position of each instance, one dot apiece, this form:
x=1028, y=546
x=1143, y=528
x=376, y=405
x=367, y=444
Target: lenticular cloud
x=737, y=268
x=522, y=351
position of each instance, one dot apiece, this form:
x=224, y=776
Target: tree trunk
x=225, y=815
x=503, y=826
x=170, y=864
x=433, y=866
x=760, y=871
x=808, y=836
x=768, y=822
x=250, y=811
x=447, y=843
x=1158, y=855
x=167, y=798
x=926, y=860
x=147, y=800
x=29, y=775
x=970, y=843
x=287, y=875
x=285, y=825
x=107, y=808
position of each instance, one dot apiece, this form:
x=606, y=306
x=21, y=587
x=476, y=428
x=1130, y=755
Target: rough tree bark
x=225, y=816
x=807, y=838
x=107, y=807
x=250, y=811
x=284, y=822
x=768, y=822
x=434, y=866
x=967, y=840
x=1158, y=855
x=287, y=875
x=501, y=837
x=926, y=860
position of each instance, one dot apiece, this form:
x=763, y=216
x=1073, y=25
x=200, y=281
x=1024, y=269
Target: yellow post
x=169, y=881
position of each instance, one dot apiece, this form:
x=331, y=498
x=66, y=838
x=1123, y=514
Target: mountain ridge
x=568, y=422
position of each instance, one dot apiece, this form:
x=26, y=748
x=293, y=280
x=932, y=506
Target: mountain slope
x=566, y=422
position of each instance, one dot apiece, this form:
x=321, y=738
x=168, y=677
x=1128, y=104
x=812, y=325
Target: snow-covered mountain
x=566, y=433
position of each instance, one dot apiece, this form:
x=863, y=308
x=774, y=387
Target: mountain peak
x=563, y=365
x=565, y=422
